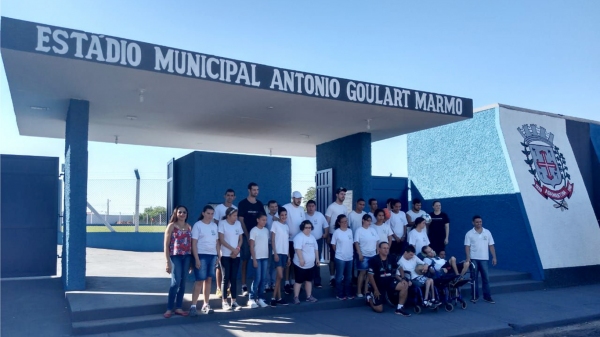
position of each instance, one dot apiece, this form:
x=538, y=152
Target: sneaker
x=402, y=312
x=360, y=295
x=311, y=299
x=318, y=285
x=427, y=304
x=332, y=283
x=281, y=301
x=287, y=289
x=273, y=303
x=193, y=312
x=269, y=288
x=489, y=300
x=340, y=298
x=244, y=290
x=474, y=300
x=219, y=293
x=226, y=306
x=436, y=303
x=350, y=297
x=252, y=304
x=206, y=309
x=261, y=303
x=235, y=306
x=296, y=300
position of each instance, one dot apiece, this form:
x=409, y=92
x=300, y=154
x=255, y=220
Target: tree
x=154, y=214
x=311, y=194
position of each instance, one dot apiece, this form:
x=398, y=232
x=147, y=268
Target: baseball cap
x=340, y=189
x=296, y=194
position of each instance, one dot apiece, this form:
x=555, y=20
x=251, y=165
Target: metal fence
x=114, y=201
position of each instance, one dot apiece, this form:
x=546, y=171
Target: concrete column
x=76, y=170
x=350, y=159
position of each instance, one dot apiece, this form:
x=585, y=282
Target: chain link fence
x=113, y=201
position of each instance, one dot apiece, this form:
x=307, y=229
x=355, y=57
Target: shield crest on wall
x=545, y=164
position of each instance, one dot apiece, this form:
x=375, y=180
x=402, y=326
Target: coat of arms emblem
x=546, y=164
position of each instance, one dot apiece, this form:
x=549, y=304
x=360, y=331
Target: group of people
x=284, y=245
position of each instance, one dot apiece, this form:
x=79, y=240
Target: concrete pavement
x=38, y=308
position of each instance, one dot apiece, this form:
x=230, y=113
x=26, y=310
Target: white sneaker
x=206, y=309
x=226, y=306
x=235, y=306
x=261, y=303
x=252, y=304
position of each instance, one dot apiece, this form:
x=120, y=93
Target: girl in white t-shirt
x=280, y=233
x=230, y=237
x=205, y=251
x=305, y=258
x=366, y=240
x=341, y=242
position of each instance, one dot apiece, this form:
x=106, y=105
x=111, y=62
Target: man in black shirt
x=248, y=211
x=383, y=279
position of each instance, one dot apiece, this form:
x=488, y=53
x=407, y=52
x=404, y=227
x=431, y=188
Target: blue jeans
x=257, y=290
x=481, y=267
x=180, y=264
x=343, y=269
x=272, y=274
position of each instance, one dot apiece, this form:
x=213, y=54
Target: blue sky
x=541, y=55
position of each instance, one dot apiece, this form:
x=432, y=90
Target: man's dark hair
x=416, y=201
x=271, y=202
x=252, y=185
x=389, y=201
x=229, y=190
x=311, y=202
x=475, y=217
x=383, y=243
x=410, y=249
x=371, y=200
x=359, y=200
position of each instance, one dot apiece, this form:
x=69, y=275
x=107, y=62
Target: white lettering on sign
x=438, y=103
x=99, y=49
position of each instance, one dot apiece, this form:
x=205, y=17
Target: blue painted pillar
x=76, y=169
x=350, y=159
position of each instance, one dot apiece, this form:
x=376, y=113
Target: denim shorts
x=283, y=258
x=364, y=265
x=419, y=281
x=207, y=267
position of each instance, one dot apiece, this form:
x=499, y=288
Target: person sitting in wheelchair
x=439, y=267
x=411, y=268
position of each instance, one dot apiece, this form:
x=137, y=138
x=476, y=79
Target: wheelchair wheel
x=449, y=307
x=417, y=309
x=463, y=305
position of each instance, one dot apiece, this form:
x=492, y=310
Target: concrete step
x=131, y=322
x=506, y=287
x=507, y=275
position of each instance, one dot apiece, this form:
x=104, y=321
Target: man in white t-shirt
x=478, y=244
x=219, y=214
x=409, y=262
x=295, y=216
x=373, y=207
x=355, y=216
x=220, y=209
x=418, y=237
x=398, y=224
x=320, y=232
x=336, y=208
x=414, y=213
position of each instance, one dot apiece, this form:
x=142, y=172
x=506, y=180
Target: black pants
x=229, y=268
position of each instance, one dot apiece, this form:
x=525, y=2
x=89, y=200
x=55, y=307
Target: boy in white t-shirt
x=409, y=262
x=259, y=250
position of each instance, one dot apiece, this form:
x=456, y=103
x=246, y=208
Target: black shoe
x=281, y=301
x=489, y=300
x=273, y=303
x=332, y=282
x=402, y=312
x=244, y=290
x=318, y=285
x=287, y=289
